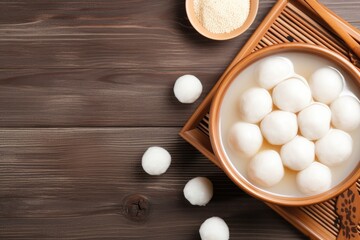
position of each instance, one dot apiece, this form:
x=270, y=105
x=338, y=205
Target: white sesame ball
x=156, y=160
x=245, y=138
x=266, y=168
x=298, y=154
x=292, y=95
x=198, y=191
x=279, y=127
x=346, y=113
x=273, y=70
x=326, y=84
x=314, y=179
x=187, y=89
x=314, y=121
x=214, y=228
x=255, y=104
x=335, y=148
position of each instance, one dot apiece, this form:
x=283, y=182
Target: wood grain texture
x=108, y=34
x=115, y=34
x=64, y=44
x=70, y=184
x=85, y=88
x=95, y=97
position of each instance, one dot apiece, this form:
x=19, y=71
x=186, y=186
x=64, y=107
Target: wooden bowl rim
x=214, y=130
x=254, y=6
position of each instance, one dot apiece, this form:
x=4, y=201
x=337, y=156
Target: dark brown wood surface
x=85, y=88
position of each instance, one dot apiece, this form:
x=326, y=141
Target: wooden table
x=85, y=88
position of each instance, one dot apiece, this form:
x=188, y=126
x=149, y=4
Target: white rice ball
x=273, y=70
x=314, y=121
x=255, y=104
x=187, y=89
x=335, y=148
x=292, y=95
x=198, y=191
x=314, y=179
x=326, y=84
x=266, y=168
x=346, y=113
x=298, y=154
x=245, y=138
x=214, y=228
x=156, y=160
x=279, y=127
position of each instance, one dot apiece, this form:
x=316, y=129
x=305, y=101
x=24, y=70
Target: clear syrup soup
x=304, y=64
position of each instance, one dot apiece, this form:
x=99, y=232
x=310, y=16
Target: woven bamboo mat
x=293, y=21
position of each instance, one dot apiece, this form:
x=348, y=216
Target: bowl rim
x=254, y=6
x=214, y=131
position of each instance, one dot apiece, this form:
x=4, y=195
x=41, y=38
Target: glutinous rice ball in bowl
x=298, y=154
x=326, y=84
x=279, y=127
x=266, y=168
x=273, y=70
x=283, y=130
x=292, y=94
x=255, y=104
x=314, y=179
x=334, y=148
x=245, y=138
x=314, y=121
x=346, y=113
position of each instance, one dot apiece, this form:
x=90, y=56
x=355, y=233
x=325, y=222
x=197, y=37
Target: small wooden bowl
x=254, y=5
x=215, y=136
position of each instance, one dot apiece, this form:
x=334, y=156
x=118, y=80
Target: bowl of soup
x=285, y=124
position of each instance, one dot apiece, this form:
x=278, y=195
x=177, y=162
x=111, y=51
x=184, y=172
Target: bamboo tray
x=293, y=21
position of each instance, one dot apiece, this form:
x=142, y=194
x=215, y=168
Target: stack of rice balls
x=305, y=123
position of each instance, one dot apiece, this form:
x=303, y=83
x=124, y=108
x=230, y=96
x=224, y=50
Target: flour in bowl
x=221, y=16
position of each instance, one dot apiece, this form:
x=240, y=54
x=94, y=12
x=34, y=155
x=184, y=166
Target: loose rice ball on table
x=187, y=89
x=214, y=228
x=156, y=160
x=199, y=191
